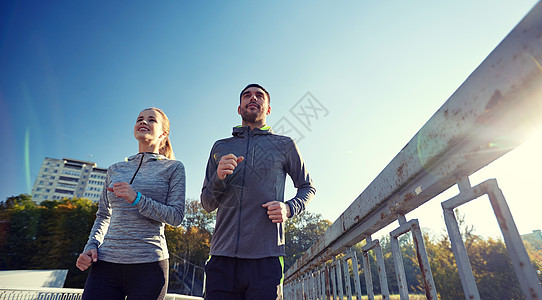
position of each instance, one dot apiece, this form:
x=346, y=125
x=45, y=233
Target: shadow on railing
x=497, y=105
x=61, y=294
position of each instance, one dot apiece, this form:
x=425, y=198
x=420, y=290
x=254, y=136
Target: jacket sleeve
x=101, y=223
x=295, y=167
x=172, y=210
x=213, y=187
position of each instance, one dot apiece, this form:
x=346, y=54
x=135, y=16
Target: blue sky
x=75, y=74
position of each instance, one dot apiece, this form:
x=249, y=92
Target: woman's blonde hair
x=165, y=146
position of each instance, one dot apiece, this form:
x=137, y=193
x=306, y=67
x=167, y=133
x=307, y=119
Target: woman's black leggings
x=137, y=281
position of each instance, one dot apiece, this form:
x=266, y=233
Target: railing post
x=347, y=284
x=328, y=281
x=458, y=247
x=398, y=259
x=423, y=260
x=351, y=254
x=527, y=277
x=367, y=269
x=306, y=287
x=382, y=272
x=338, y=271
x=317, y=284
x=193, y=279
x=323, y=277
x=334, y=281
x=375, y=245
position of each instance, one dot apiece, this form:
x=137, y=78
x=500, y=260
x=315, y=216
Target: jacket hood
x=147, y=156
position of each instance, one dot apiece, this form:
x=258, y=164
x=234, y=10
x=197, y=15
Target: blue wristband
x=136, y=199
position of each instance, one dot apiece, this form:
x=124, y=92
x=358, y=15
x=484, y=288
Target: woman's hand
x=86, y=259
x=123, y=190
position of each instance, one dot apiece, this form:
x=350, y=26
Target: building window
x=71, y=186
x=68, y=179
x=60, y=191
x=71, y=173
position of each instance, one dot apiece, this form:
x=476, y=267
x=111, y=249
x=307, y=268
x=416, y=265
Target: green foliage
x=301, y=232
x=490, y=265
x=46, y=236
x=192, y=241
x=444, y=268
x=20, y=219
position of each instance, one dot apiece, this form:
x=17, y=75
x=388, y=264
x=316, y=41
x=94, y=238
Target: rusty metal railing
x=496, y=105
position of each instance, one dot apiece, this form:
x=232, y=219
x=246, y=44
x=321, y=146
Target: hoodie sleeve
x=103, y=217
x=172, y=211
x=295, y=167
x=213, y=187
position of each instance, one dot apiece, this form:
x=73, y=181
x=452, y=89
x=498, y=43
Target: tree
x=192, y=241
x=64, y=230
x=301, y=232
x=196, y=216
x=444, y=268
x=493, y=270
x=20, y=220
x=46, y=236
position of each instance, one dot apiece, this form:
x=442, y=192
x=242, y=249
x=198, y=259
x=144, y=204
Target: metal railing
x=501, y=99
x=190, y=275
x=61, y=294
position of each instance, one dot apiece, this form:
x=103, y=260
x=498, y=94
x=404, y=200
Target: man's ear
x=239, y=109
x=269, y=110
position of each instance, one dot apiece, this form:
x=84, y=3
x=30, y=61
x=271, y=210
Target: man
x=245, y=180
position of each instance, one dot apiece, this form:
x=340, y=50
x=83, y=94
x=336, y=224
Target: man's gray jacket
x=243, y=228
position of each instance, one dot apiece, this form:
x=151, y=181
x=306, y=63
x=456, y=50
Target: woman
x=127, y=247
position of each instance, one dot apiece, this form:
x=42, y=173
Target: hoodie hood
x=243, y=131
x=147, y=156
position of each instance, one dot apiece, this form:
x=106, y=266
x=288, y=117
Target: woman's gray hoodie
x=123, y=233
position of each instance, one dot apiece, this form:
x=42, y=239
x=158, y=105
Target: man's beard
x=250, y=117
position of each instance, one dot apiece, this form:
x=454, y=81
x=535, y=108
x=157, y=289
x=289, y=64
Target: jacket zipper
x=140, y=162
x=242, y=194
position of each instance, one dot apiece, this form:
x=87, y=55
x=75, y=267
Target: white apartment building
x=68, y=178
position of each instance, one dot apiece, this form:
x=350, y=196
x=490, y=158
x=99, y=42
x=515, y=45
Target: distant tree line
x=50, y=235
